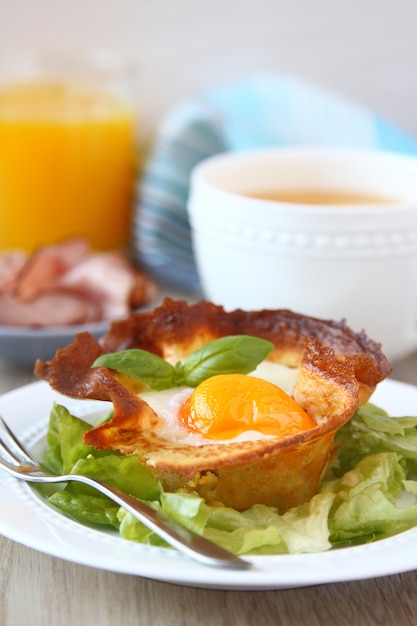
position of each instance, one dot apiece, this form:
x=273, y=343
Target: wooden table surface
x=40, y=590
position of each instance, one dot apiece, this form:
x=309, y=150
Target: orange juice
x=67, y=165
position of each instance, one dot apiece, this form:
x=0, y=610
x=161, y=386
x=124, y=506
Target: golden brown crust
x=332, y=381
x=338, y=370
x=176, y=328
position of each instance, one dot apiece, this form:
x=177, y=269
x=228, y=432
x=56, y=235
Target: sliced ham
x=11, y=265
x=48, y=309
x=68, y=284
x=48, y=265
x=108, y=278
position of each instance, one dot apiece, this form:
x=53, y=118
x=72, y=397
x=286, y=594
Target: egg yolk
x=226, y=405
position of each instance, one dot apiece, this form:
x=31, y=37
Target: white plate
x=25, y=518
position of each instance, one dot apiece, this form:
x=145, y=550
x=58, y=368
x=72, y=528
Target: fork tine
x=18, y=447
x=10, y=456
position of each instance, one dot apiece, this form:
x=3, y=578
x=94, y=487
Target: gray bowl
x=22, y=346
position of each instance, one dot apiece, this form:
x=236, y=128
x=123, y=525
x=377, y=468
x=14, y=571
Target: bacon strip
x=70, y=373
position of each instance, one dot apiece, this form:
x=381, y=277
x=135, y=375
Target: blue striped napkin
x=271, y=110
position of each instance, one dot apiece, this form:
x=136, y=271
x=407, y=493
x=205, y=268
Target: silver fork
x=17, y=461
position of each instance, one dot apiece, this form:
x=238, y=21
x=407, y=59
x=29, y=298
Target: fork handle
x=175, y=534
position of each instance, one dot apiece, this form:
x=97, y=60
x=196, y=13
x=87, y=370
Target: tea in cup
x=330, y=233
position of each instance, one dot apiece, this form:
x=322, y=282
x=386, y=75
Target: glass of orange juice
x=67, y=150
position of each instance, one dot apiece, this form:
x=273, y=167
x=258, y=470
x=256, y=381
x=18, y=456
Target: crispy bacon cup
x=336, y=369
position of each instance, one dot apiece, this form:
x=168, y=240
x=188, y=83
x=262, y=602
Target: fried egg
x=230, y=408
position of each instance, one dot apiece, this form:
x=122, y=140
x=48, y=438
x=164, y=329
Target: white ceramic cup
x=355, y=262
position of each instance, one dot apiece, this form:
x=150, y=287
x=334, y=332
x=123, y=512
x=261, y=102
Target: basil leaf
x=227, y=355
x=141, y=365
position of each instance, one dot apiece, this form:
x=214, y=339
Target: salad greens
x=234, y=354
x=368, y=493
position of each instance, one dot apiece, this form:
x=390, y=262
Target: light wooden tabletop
x=40, y=590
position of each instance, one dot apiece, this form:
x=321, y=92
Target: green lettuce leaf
x=65, y=443
x=259, y=530
x=372, y=430
x=262, y=530
x=67, y=454
x=87, y=504
x=86, y=508
x=186, y=508
x=368, y=493
x=367, y=503
x=124, y=472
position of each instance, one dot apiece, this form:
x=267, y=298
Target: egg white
x=167, y=403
